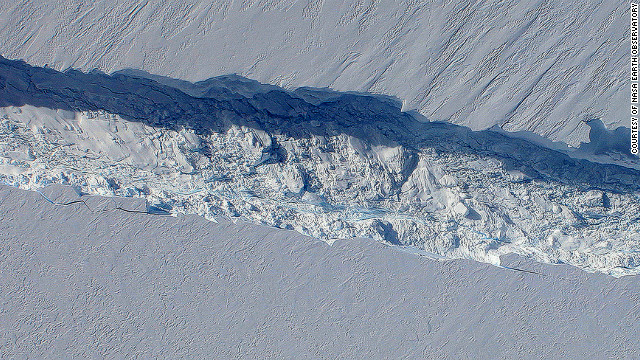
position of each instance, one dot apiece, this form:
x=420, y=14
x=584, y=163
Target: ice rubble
x=456, y=205
x=327, y=164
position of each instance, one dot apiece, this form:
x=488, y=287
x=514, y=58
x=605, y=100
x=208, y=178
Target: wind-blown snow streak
x=536, y=65
x=331, y=165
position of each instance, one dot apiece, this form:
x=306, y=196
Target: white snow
x=90, y=281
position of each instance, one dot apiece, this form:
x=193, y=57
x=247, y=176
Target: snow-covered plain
x=328, y=164
x=534, y=65
x=89, y=281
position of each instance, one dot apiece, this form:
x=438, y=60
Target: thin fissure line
x=92, y=211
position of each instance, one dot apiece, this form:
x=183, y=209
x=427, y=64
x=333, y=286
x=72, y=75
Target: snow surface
x=88, y=280
x=327, y=164
x=534, y=65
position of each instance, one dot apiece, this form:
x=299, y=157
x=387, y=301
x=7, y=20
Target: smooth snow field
x=327, y=164
x=536, y=65
x=99, y=278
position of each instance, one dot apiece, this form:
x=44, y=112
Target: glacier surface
x=537, y=65
x=327, y=164
x=89, y=281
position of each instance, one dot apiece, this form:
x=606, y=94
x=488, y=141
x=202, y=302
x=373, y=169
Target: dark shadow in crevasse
x=216, y=104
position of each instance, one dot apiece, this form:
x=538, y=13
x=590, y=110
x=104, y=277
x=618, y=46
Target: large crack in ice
x=326, y=164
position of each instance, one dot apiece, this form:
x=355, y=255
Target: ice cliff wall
x=541, y=66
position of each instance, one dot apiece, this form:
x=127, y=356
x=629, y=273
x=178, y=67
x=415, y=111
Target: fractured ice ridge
x=327, y=164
